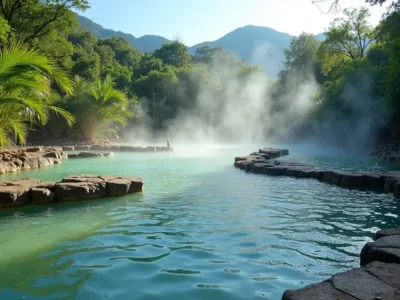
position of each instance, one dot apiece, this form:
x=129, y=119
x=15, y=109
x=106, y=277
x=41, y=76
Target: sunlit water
x=201, y=230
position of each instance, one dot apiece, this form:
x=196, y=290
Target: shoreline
x=378, y=276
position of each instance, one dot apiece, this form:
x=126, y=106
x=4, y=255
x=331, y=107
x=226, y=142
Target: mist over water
x=249, y=110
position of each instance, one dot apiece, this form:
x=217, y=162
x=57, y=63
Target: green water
x=201, y=230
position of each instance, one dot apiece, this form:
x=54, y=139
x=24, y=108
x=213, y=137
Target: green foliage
x=25, y=92
x=174, y=54
x=346, y=39
x=99, y=108
x=4, y=30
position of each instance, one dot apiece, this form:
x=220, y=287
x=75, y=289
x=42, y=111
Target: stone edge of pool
x=72, y=188
x=25, y=158
x=265, y=162
x=378, y=277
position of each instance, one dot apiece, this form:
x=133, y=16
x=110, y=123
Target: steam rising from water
x=249, y=111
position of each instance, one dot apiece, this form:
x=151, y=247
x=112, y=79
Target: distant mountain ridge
x=257, y=45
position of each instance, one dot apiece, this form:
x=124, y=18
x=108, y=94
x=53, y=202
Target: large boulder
x=118, y=187
x=396, y=189
x=42, y=196
x=351, y=179
x=73, y=191
x=386, y=249
x=387, y=232
x=14, y=195
x=89, y=154
x=136, y=184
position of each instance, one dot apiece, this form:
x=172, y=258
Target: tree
x=40, y=18
x=302, y=53
x=346, y=39
x=157, y=86
x=334, y=6
x=174, y=54
x=26, y=96
x=99, y=108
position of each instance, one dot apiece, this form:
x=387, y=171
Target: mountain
x=256, y=45
x=146, y=43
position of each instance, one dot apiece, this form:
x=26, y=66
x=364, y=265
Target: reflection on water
x=201, y=230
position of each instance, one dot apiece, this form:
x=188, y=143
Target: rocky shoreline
x=377, y=278
x=25, y=158
x=116, y=148
x=72, y=188
x=19, y=159
x=265, y=162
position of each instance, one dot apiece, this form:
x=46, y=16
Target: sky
x=196, y=21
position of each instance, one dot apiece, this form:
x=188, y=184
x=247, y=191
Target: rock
x=257, y=168
x=240, y=158
x=331, y=177
x=390, y=182
x=118, y=187
x=54, y=154
x=351, y=179
x=387, y=232
x=374, y=181
x=319, y=291
x=98, y=147
x=73, y=191
x=82, y=178
x=41, y=196
x=89, y=154
x=396, y=189
x=386, y=249
x=150, y=149
x=14, y=195
x=129, y=149
x=275, y=171
x=362, y=285
x=31, y=163
x=136, y=184
x=47, y=185
x=28, y=182
x=68, y=148
x=388, y=273
x=74, y=155
x=108, y=154
x=82, y=148
x=34, y=149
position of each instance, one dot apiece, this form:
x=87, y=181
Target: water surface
x=201, y=230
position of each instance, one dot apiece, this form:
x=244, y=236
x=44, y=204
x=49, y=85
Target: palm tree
x=26, y=94
x=99, y=107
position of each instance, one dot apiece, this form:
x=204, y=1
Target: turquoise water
x=201, y=230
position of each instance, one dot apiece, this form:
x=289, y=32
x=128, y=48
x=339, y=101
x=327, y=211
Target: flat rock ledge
x=377, y=279
x=90, y=154
x=265, y=162
x=72, y=188
x=19, y=159
x=116, y=148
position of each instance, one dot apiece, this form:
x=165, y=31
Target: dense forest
x=58, y=81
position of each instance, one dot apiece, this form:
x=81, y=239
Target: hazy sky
x=196, y=21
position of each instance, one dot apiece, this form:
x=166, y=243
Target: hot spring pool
x=201, y=230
